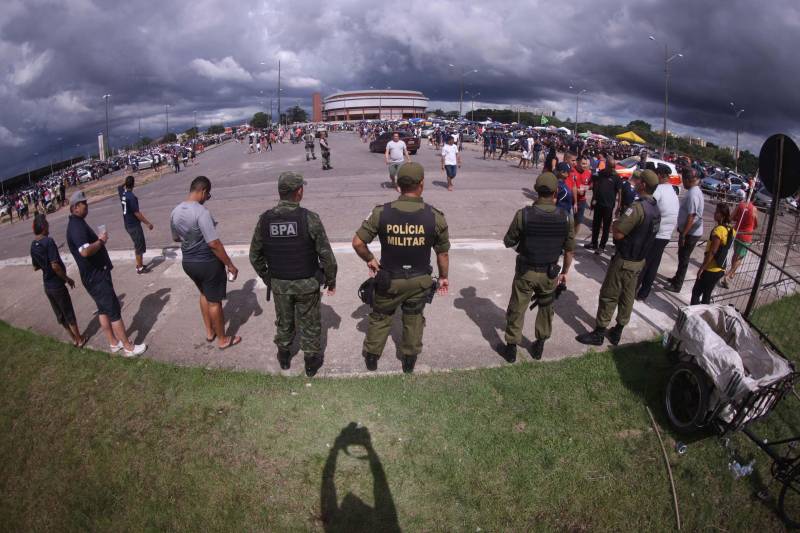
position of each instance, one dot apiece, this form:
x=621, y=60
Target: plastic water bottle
x=740, y=471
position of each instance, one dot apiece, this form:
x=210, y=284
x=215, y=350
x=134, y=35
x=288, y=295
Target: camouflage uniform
x=407, y=294
x=297, y=301
x=325, y=149
x=309, y=139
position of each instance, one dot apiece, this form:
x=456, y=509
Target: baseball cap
x=410, y=174
x=77, y=197
x=563, y=167
x=647, y=176
x=290, y=181
x=546, y=181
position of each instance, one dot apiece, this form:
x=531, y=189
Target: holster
x=269, y=289
x=383, y=280
x=432, y=290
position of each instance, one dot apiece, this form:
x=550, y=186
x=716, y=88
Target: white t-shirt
x=450, y=154
x=396, y=151
x=668, y=205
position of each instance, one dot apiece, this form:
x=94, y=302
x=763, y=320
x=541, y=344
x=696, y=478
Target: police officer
x=540, y=233
x=291, y=253
x=309, y=139
x=407, y=228
x=325, y=148
x=634, y=233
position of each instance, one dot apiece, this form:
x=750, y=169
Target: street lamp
x=736, y=150
x=473, y=96
x=461, y=85
x=108, y=139
x=195, y=122
x=667, y=60
x=578, y=94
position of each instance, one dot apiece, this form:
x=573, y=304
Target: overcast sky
x=59, y=57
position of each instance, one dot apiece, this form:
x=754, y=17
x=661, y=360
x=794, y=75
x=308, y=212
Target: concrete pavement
x=463, y=329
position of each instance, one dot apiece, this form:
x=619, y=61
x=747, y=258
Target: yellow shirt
x=723, y=233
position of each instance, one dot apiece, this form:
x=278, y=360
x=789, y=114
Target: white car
x=144, y=162
x=626, y=167
x=84, y=175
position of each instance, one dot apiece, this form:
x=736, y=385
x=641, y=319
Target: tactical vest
x=636, y=245
x=287, y=245
x=721, y=257
x=544, y=235
x=406, y=240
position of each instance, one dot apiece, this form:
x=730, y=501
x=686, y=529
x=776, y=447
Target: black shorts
x=137, y=236
x=102, y=292
x=210, y=278
x=61, y=303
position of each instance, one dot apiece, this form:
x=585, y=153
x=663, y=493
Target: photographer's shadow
x=351, y=513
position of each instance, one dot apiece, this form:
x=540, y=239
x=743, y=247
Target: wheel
x=789, y=501
x=686, y=398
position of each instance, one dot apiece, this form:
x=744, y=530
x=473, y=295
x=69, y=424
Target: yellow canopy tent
x=631, y=136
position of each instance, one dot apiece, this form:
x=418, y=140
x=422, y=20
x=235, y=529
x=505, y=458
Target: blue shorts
x=450, y=170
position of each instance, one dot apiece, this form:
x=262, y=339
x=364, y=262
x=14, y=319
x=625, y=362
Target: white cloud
x=227, y=69
x=69, y=102
x=29, y=68
x=7, y=138
x=303, y=82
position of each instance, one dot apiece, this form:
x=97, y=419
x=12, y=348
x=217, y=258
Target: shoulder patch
x=629, y=212
x=437, y=211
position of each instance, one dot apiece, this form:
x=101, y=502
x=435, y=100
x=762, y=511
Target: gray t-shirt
x=396, y=151
x=692, y=203
x=193, y=225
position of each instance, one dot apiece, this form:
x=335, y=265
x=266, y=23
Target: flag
x=543, y=121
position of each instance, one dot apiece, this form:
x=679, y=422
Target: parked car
x=716, y=183
x=84, y=175
x=144, y=162
x=469, y=137
x=379, y=144
x=762, y=198
x=626, y=167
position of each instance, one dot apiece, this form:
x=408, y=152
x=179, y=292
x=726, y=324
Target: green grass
x=778, y=320
x=94, y=442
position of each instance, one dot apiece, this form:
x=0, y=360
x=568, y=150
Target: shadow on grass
x=351, y=513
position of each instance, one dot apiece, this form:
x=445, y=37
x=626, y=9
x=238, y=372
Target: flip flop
x=232, y=342
x=83, y=342
x=212, y=339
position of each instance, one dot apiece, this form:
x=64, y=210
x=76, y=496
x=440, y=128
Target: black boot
x=371, y=360
x=313, y=364
x=613, y=335
x=510, y=352
x=284, y=359
x=595, y=338
x=408, y=363
x=537, y=348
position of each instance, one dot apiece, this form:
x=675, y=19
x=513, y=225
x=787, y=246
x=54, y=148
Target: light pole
x=195, y=122
x=472, y=97
x=578, y=94
x=108, y=139
x=166, y=113
x=461, y=85
x=736, y=150
x=667, y=60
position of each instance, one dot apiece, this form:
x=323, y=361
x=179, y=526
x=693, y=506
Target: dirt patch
x=629, y=433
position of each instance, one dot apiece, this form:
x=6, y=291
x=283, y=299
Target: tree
x=296, y=114
x=169, y=138
x=216, y=129
x=192, y=132
x=144, y=141
x=640, y=125
x=260, y=120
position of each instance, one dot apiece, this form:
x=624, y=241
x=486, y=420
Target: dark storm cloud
x=57, y=59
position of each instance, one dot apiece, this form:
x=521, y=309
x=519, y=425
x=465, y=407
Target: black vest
x=544, y=235
x=287, y=245
x=406, y=240
x=636, y=244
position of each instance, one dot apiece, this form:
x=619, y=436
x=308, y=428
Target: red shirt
x=581, y=181
x=746, y=212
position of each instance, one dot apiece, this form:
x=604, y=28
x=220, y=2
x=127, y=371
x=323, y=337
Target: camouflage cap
x=410, y=174
x=290, y=181
x=547, y=182
x=648, y=177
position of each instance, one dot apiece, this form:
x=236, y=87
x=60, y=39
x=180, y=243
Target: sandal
x=232, y=341
x=82, y=342
x=212, y=338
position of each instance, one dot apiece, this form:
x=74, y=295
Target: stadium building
x=386, y=104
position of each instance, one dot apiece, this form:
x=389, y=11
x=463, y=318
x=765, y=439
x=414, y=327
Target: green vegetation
x=94, y=442
x=778, y=321
x=191, y=132
x=260, y=120
x=169, y=138
x=216, y=129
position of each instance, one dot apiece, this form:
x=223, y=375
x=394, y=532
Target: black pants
x=602, y=217
x=652, y=262
x=685, y=249
x=704, y=286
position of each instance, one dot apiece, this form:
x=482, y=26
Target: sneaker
x=138, y=349
x=115, y=348
x=594, y=338
x=671, y=287
x=590, y=246
x=600, y=250
x=141, y=270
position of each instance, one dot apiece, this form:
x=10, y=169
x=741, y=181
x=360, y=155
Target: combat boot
x=284, y=359
x=510, y=352
x=371, y=360
x=537, y=348
x=408, y=363
x=313, y=364
x=614, y=334
x=595, y=338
